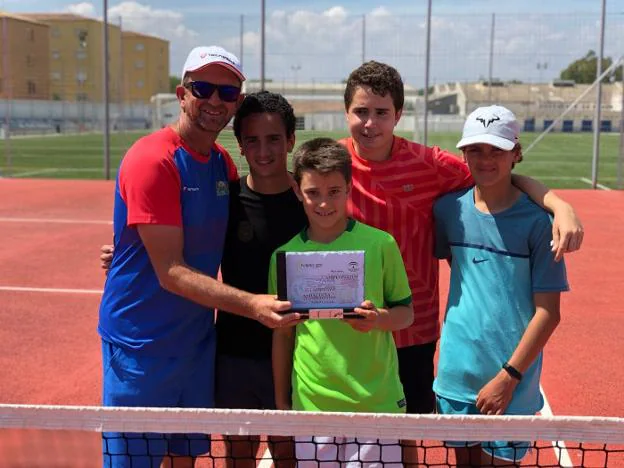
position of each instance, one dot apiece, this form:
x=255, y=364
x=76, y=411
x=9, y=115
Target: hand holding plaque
x=322, y=285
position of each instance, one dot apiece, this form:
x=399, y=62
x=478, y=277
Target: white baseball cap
x=492, y=125
x=200, y=57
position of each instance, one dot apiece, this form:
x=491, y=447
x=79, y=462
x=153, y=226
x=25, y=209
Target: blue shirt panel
x=136, y=312
x=498, y=262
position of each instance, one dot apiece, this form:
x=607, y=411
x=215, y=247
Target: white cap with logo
x=203, y=56
x=492, y=125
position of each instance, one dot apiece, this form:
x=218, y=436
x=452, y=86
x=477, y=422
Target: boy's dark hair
x=322, y=155
x=518, y=149
x=265, y=102
x=381, y=78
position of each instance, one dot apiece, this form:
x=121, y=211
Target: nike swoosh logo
x=479, y=260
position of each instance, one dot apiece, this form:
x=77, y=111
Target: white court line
x=561, y=451
x=54, y=220
x=600, y=186
x=50, y=290
x=37, y=172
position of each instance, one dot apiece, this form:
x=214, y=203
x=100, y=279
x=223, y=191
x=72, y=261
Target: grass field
x=559, y=160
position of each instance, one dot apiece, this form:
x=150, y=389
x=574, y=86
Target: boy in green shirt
x=346, y=365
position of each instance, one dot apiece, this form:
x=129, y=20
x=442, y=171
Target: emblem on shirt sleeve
x=222, y=188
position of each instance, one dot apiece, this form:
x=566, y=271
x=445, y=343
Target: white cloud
x=336, y=14
x=82, y=9
x=380, y=11
x=139, y=17
x=327, y=44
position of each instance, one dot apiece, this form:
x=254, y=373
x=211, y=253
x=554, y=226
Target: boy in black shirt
x=264, y=214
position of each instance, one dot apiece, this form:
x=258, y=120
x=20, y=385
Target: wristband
x=512, y=371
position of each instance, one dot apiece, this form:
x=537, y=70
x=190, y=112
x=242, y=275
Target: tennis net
x=69, y=436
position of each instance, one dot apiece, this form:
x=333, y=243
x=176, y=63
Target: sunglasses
x=203, y=90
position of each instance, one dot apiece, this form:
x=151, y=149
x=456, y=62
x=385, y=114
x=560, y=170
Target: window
x=140, y=84
x=56, y=55
x=81, y=55
x=81, y=77
x=82, y=97
x=139, y=64
x=82, y=35
x=29, y=61
x=56, y=32
x=56, y=76
x=32, y=89
x=139, y=47
x=30, y=34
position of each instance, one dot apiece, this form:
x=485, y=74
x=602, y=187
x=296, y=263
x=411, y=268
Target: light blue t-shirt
x=499, y=262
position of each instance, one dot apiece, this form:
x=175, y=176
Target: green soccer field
x=559, y=160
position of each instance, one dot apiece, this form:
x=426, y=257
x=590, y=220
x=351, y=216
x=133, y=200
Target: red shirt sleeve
x=453, y=173
x=149, y=183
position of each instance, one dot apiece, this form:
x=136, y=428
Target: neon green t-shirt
x=336, y=368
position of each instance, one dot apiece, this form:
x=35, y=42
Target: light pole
x=541, y=66
x=106, y=96
x=295, y=69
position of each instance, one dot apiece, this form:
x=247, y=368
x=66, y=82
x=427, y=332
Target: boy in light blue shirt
x=504, y=295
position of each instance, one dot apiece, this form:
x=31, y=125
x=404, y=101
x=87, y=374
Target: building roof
x=536, y=92
x=20, y=17
x=302, y=107
x=44, y=17
x=140, y=35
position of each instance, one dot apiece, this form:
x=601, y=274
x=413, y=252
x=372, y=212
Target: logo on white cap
x=200, y=57
x=492, y=125
x=489, y=120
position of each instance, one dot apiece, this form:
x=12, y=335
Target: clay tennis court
x=49, y=295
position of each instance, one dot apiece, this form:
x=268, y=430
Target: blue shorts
x=245, y=383
x=501, y=449
x=133, y=379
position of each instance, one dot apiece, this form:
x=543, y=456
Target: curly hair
x=322, y=155
x=518, y=149
x=381, y=78
x=265, y=102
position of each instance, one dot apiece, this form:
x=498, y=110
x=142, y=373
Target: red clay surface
x=50, y=351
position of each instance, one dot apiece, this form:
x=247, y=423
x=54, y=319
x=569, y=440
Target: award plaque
x=322, y=285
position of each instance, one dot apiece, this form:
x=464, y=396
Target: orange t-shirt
x=397, y=195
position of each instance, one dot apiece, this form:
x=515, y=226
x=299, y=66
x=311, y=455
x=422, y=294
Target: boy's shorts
x=347, y=452
x=242, y=382
x=416, y=373
x=133, y=379
x=502, y=449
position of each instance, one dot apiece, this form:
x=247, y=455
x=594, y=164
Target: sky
x=322, y=41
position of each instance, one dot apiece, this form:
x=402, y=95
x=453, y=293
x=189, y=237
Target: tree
x=173, y=82
x=583, y=70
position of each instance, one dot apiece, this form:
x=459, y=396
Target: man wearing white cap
x=504, y=296
x=170, y=217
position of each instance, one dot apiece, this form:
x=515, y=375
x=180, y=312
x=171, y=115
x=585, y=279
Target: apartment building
x=24, y=64
x=76, y=54
x=145, y=66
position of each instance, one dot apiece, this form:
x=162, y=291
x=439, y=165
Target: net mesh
x=52, y=436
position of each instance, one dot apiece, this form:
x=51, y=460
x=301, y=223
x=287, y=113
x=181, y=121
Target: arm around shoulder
x=567, y=229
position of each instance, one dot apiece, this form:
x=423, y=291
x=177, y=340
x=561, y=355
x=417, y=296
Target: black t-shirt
x=258, y=224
